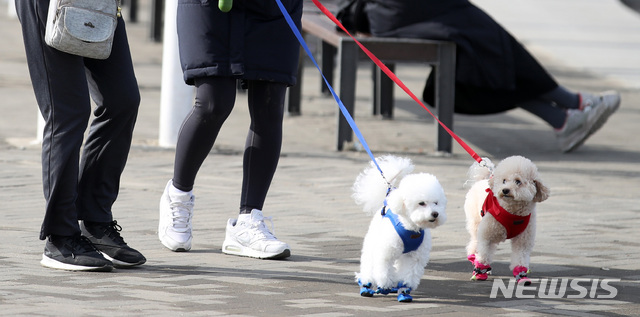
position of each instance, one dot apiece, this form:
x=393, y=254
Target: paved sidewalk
x=586, y=230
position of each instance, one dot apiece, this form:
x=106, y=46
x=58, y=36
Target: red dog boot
x=520, y=273
x=480, y=271
x=471, y=257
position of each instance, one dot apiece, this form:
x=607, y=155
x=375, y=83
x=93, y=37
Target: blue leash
x=344, y=110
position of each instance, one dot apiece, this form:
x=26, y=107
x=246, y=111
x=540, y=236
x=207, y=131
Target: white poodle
x=499, y=206
x=396, y=248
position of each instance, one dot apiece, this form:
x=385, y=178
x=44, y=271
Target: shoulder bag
x=82, y=27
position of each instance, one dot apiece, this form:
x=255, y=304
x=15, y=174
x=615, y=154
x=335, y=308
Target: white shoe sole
x=176, y=246
x=51, y=263
x=232, y=248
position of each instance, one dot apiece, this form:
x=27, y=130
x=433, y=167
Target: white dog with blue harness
x=397, y=245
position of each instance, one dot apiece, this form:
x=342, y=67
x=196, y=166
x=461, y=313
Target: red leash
x=397, y=80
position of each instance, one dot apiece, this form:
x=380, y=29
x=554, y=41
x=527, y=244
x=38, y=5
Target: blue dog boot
x=366, y=292
x=403, y=293
x=383, y=291
x=399, y=286
x=404, y=297
x=365, y=289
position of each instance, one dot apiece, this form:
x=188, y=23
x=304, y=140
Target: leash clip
x=483, y=163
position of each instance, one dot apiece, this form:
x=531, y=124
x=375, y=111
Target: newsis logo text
x=556, y=288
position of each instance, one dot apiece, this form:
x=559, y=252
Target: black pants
x=530, y=81
x=79, y=187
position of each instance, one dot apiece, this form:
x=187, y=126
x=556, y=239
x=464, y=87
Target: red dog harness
x=512, y=223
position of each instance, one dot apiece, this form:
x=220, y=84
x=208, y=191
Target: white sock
x=173, y=191
x=244, y=217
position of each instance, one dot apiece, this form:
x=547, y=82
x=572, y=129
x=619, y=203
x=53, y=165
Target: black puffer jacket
x=252, y=41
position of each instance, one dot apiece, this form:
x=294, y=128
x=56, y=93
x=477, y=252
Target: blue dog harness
x=411, y=239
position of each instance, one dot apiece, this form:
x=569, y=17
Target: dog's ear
x=542, y=192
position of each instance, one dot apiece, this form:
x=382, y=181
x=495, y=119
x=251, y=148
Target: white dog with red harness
x=501, y=205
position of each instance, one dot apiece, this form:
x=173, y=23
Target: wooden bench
x=440, y=54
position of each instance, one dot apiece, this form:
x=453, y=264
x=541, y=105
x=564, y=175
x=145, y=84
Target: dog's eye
x=422, y=203
x=504, y=181
x=518, y=182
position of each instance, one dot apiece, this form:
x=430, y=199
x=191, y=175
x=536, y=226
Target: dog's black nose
x=506, y=191
x=434, y=214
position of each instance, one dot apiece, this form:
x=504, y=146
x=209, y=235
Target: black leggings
x=215, y=98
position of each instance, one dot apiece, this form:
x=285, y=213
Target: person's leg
x=573, y=116
x=582, y=114
x=577, y=116
x=248, y=235
x=552, y=106
x=263, y=144
x=562, y=97
x=62, y=95
x=215, y=98
x=114, y=89
x=545, y=110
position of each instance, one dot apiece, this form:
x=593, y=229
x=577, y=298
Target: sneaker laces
x=259, y=226
x=180, y=214
x=112, y=230
x=79, y=245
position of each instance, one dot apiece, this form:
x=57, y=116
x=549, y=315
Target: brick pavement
x=585, y=230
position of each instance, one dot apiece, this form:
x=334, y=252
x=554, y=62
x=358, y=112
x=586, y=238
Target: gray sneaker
x=581, y=124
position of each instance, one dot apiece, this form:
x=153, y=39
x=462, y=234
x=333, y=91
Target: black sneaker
x=74, y=253
x=106, y=238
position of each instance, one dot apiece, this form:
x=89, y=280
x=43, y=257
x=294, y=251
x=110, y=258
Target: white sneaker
x=581, y=124
x=176, y=211
x=249, y=236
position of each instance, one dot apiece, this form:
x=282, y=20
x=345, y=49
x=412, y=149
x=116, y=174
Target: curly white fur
x=420, y=203
x=517, y=185
x=370, y=188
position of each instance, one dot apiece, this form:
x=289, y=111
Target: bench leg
x=383, y=92
x=444, y=95
x=327, y=65
x=375, y=74
x=348, y=58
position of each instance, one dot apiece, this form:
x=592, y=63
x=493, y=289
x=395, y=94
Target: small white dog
x=499, y=206
x=396, y=248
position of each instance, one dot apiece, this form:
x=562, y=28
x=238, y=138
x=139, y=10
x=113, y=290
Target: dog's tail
x=370, y=188
x=479, y=171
